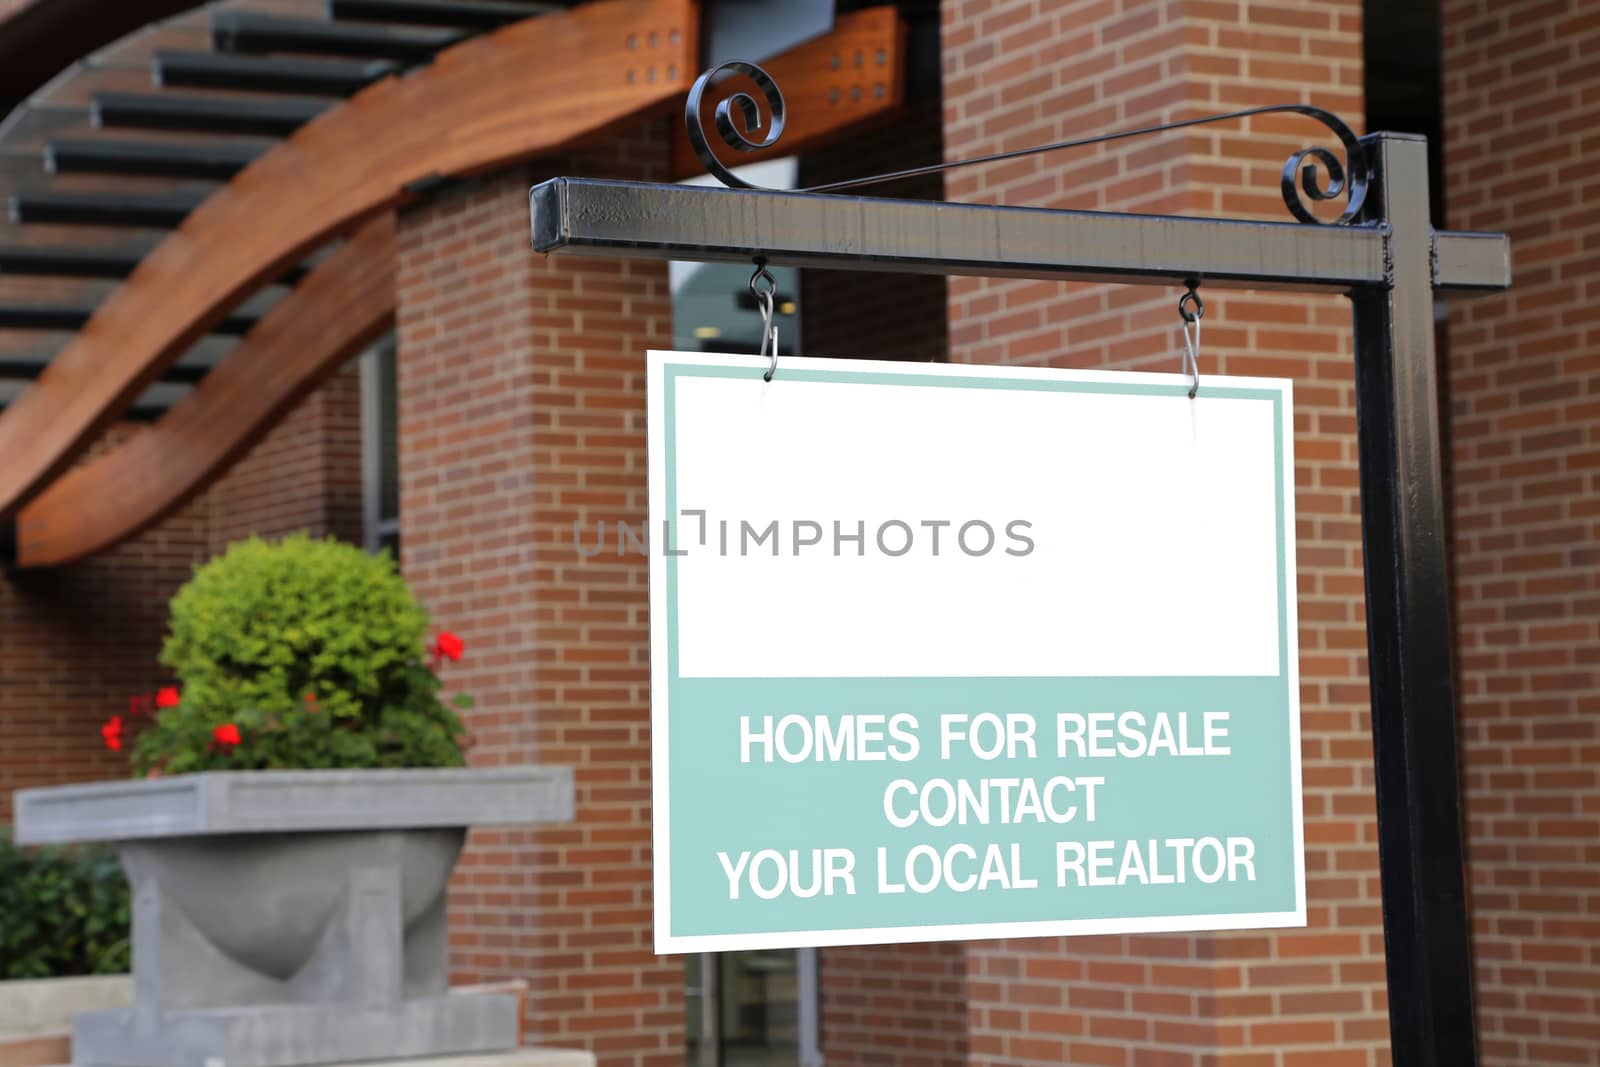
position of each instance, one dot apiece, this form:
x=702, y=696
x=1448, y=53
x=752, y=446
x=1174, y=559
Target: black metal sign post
x=1384, y=254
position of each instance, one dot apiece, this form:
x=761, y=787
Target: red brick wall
x=1522, y=111
x=870, y=314
x=304, y=475
x=521, y=411
x=1017, y=74
x=895, y=1004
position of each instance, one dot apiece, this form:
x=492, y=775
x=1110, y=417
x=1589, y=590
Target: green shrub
x=62, y=912
x=300, y=653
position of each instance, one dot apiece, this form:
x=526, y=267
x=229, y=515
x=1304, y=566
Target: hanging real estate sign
x=951, y=652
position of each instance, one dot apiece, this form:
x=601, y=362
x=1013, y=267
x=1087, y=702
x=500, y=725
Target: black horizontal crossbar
x=267, y=74
x=68, y=262
x=140, y=412
x=47, y=317
x=209, y=161
x=30, y=369
x=204, y=114
x=917, y=236
x=71, y=262
x=465, y=14
x=247, y=32
x=41, y=317
x=152, y=210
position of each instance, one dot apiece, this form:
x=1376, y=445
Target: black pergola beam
x=41, y=317
x=641, y=220
x=267, y=74
x=207, y=161
x=463, y=14
x=70, y=262
x=146, y=210
x=137, y=413
x=248, y=33
x=30, y=369
x=70, y=319
x=203, y=114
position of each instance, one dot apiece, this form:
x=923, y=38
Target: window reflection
x=754, y=1010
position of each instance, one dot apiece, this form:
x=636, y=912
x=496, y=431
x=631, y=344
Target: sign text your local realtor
x=941, y=802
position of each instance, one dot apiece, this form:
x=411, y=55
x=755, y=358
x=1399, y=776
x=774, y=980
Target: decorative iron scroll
x=1302, y=173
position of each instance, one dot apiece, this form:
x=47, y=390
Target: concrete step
x=527, y=1057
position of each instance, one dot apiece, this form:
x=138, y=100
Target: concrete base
x=292, y=918
x=278, y=1035
x=524, y=1057
x=38, y=1005
x=290, y=802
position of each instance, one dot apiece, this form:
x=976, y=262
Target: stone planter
x=291, y=917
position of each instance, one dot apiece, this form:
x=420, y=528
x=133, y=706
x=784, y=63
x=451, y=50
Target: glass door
x=752, y=1009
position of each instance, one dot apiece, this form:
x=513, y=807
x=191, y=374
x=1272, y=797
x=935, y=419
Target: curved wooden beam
x=345, y=304
x=528, y=89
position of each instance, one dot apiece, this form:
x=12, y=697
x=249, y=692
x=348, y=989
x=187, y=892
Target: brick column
x=1521, y=87
x=522, y=412
x=1017, y=74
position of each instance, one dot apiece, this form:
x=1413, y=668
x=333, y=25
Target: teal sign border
x=698, y=921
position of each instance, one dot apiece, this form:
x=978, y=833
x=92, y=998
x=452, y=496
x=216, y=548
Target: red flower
x=226, y=734
x=112, y=733
x=167, y=697
x=140, y=705
x=450, y=646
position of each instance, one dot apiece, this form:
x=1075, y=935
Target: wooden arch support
x=347, y=302
x=527, y=89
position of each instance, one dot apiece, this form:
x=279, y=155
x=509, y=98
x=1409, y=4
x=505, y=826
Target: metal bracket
x=425, y=187
x=1301, y=173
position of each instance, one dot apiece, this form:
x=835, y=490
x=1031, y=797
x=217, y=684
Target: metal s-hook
x=769, y=328
x=1191, y=309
